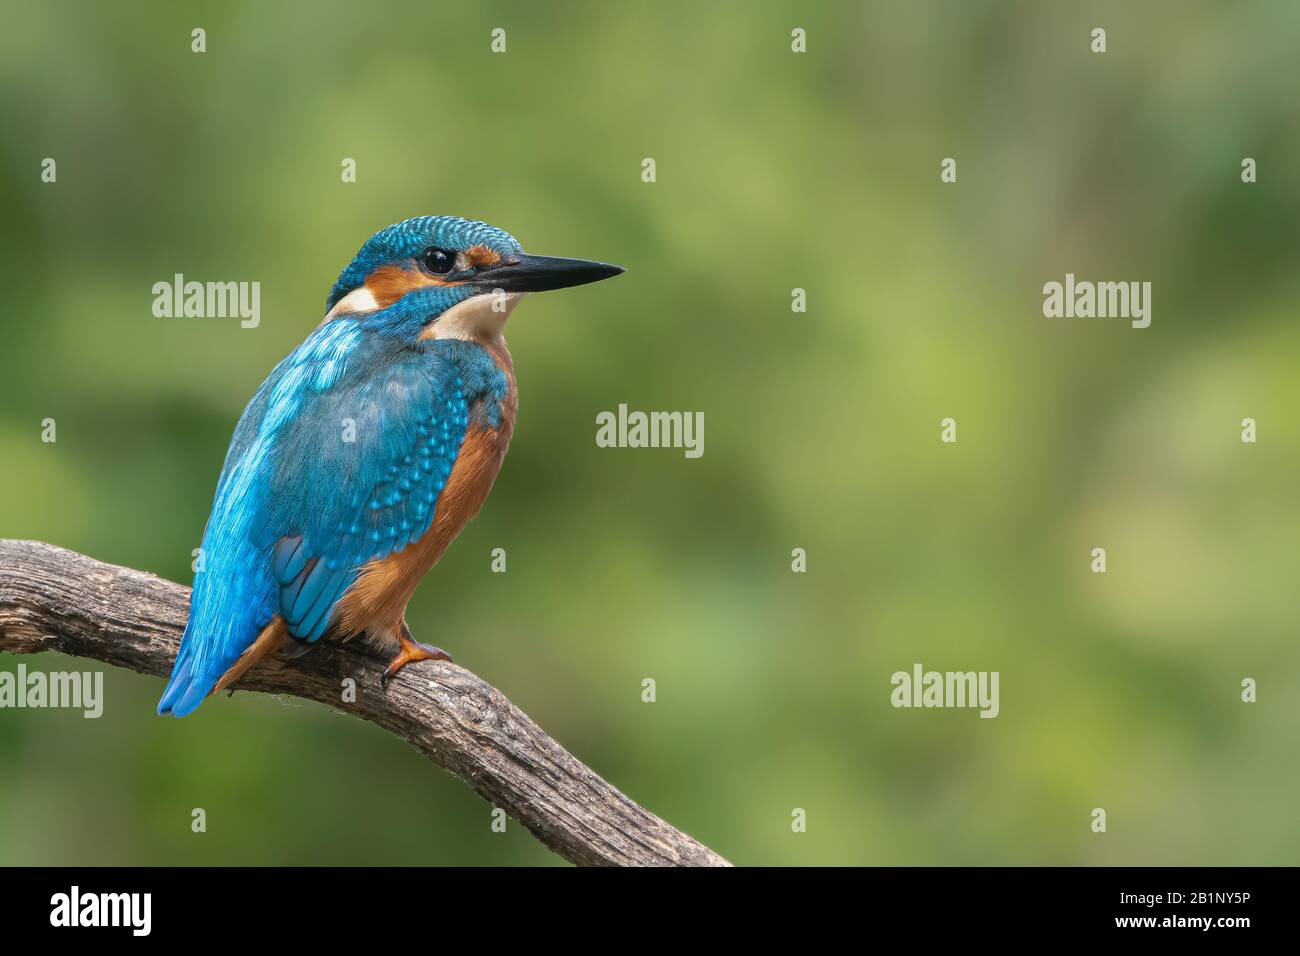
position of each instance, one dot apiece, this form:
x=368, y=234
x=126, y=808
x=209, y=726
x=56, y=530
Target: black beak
x=542, y=273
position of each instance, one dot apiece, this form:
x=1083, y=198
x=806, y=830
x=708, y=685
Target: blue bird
x=364, y=453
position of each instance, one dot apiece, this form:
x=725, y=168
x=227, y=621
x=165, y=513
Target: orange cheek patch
x=389, y=283
x=482, y=256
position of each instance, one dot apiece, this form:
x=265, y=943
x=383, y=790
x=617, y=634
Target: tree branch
x=57, y=600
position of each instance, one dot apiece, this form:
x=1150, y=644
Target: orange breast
x=376, y=602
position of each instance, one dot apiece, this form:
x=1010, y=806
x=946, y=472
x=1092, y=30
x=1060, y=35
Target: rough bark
x=52, y=599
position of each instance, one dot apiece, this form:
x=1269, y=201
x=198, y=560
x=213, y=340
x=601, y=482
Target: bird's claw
x=409, y=653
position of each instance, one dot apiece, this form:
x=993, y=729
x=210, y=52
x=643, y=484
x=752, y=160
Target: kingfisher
x=364, y=453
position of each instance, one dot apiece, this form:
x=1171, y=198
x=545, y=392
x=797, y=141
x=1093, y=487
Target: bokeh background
x=775, y=171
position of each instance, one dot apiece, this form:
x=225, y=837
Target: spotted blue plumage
x=339, y=459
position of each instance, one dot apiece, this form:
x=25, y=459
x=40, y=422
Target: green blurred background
x=775, y=170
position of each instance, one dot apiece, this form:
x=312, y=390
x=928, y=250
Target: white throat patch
x=359, y=299
x=481, y=316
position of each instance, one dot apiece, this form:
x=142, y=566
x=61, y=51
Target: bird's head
x=446, y=277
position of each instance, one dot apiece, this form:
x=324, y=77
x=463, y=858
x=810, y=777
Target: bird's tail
x=192, y=682
x=274, y=636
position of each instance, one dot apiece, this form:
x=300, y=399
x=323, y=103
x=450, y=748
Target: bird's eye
x=439, y=261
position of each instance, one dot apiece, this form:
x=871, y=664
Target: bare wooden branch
x=52, y=599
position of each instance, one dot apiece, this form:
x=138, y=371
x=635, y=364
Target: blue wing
x=339, y=459
x=358, y=476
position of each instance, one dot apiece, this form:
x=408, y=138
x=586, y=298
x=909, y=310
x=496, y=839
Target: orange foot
x=410, y=652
